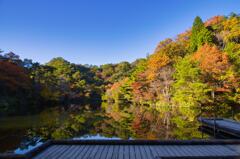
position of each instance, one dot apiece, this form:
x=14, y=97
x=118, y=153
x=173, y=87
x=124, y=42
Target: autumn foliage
x=211, y=59
x=155, y=62
x=199, y=67
x=13, y=77
x=214, y=20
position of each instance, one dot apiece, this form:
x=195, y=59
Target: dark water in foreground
x=21, y=134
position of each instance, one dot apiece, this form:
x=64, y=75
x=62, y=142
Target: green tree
x=200, y=35
x=121, y=71
x=189, y=91
x=63, y=68
x=46, y=83
x=139, y=66
x=107, y=70
x=233, y=51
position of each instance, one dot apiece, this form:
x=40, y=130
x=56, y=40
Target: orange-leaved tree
x=217, y=73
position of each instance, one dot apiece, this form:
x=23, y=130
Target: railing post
x=214, y=130
x=215, y=109
x=201, y=112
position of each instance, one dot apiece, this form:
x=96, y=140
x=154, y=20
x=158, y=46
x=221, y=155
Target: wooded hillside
x=198, y=69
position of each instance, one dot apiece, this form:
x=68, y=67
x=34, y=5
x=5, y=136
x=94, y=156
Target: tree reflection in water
x=133, y=122
x=112, y=122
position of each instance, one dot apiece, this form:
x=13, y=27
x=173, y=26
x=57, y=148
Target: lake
x=22, y=133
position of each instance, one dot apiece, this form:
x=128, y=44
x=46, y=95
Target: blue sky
x=98, y=31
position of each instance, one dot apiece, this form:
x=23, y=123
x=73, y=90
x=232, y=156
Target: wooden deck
x=133, y=149
x=222, y=125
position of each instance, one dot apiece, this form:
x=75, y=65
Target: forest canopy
x=199, y=69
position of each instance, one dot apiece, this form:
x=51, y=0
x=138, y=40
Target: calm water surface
x=22, y=133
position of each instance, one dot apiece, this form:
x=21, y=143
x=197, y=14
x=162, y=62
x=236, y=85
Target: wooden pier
x=222, y=126
x=133, y=149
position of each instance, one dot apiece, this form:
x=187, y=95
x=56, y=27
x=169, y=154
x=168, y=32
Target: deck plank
x=127, y=152
x=46, y=152
x=235, y=148
x=223, y=150
x=121, y=152
x=115, y=152
x=218, y=150
x=148, y=151
x=179, y=150
x=78, y=151
x=143, y=152
x=56, y=152
x=197, y=150
x=161, y=150
x=99, y=152
x=175, y=150
x=68, y=153
x=94, y=152
x=202, y=151
x=190, y=151
x=61, y=152
x=154, y=151
x=138, y=152
x=89, y=151
x=169, y=151
x=105, y=152
x=110, y=152
x=132, y=154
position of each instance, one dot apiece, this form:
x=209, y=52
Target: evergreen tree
x=200, y=35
